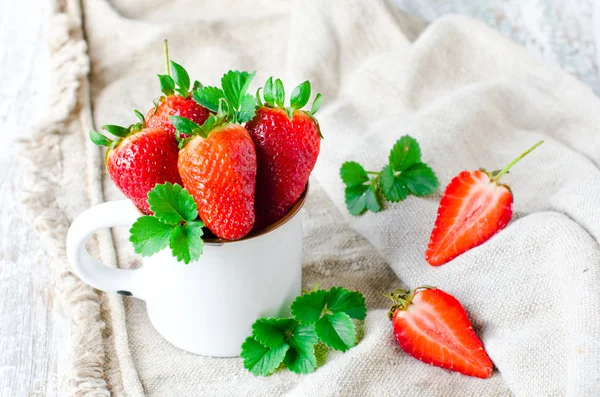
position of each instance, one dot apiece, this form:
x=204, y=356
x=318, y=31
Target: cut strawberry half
x=432, y=326
x=475, y=206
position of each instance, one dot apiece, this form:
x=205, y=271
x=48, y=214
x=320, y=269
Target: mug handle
x=88, y=268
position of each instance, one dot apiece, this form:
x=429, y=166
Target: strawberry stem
x=167, y=63
x=515, y=161
x=373, y=172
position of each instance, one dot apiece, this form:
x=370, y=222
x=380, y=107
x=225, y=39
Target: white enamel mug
x=206, y=307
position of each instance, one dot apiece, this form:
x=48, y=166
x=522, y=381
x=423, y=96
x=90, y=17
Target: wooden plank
x=29, y=331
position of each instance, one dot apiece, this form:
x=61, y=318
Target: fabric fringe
x=40, y=157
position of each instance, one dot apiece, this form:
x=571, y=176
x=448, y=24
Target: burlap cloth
x=470, y=97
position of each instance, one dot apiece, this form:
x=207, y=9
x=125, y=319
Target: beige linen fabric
x=471, y=98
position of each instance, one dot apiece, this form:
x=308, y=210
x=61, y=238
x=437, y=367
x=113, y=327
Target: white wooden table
x=29, y=331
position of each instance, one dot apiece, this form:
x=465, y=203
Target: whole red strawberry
x=175, y=105
x=287, y=142
x=219, y=171
x=139, y=158
x=475, y=206
x=432, y=326
x=176, y=100
x=218, y=161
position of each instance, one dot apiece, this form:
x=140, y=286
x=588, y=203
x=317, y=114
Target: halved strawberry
x=432, y=326
x=475, y=206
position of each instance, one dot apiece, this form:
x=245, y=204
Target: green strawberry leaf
x=420, y=179
x=406, y=152
x=235, y=84
x=304, y=337
x=269, y=92
x=393, y=187
x=172, y=224
x=362, y=198
x=355, y=199
x=290, y=113
x=167, y=84
x=307, y=308
x=209, y=97
x=300, y=362
x=116, y=130
x=196, y=86
x=262, y=360
x=316, y=104
x=272, y=332
x=353, y=174
x=337, y=331
x=279, y=93
x=327, y=318
x=404, y=175
x=149, y=235
x=300, y=95
x=186, y=242
x=181, y=78
x=258, y=100
x=99, y=139
x=300, y=358
x=172, y=204
x=247, y=109
x=185, y=126
x=340, y=300
x=208, y=125
x=183, y=92
x=140, y=116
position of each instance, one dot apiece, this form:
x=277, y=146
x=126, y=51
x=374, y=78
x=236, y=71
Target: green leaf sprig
x=404, y=174
x=118, y=132
x=231, y=99
x=274, y=96
x=318, y=317
x=176, y=78
x=230, y=103
x=175, y=224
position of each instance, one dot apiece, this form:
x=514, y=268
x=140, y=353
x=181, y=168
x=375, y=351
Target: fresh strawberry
x=219, y=171
x=139, y=158
x=218, y=161
x=176, y=100
x=432, y=326
x=475, y=206
x=287, y=142
x=175, y=105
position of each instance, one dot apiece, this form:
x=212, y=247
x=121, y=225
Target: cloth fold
x=470, y=97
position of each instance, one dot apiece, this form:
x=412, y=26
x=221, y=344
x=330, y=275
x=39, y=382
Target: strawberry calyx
x=497, y=174
x=274, y=97
x=118, y=132
x=184, y=126
x=176, y=80
x=402, y=298
x=229, y=103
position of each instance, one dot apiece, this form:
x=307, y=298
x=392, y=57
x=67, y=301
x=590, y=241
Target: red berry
x=475, y=206
x=142, y=160
x=472, y=210
x=220, y=173
x=432, y=326
x=286, y=153
x=175, y=105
